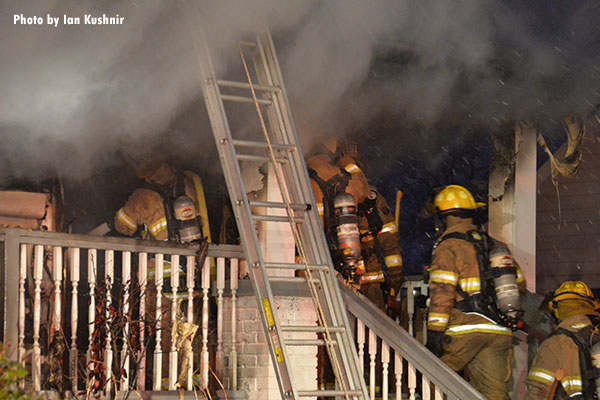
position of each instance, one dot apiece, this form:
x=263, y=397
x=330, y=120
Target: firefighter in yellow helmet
x=466, y=334
x=562, y=367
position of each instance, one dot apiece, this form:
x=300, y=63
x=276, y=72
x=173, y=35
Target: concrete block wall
x=255, y=369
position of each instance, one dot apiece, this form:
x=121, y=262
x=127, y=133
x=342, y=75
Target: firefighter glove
x=434, y=342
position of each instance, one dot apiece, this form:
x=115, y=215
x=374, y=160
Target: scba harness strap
x=584, y=338
x=483, y=302
x=169, y=195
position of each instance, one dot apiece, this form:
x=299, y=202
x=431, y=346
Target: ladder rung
x=272, y=204
x=276, y=218
x=327, y=393
x=242, y=99
x=296, y=266
x=250, y=157
x=292, y=279
x=245, y=85
x=263, y=145
x=312, y=329
x=308, y=342
x=247, y=43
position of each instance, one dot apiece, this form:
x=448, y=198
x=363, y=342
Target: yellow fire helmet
x=572, y=290
x=331, y=145
x=454, y=198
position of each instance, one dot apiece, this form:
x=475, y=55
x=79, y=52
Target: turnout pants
x=486, y=359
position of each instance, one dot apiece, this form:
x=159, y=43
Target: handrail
x=408, y=347
x=65, y=279
x=46, y=238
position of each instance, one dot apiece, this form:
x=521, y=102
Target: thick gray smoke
x=71, y=96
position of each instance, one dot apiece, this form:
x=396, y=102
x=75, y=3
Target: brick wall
x=255, y=370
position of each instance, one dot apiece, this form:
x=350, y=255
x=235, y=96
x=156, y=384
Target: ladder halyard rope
x=297, y=237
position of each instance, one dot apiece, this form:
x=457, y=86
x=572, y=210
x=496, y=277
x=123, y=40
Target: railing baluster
x=412, y=381
x=438, y=393
x=385, y=362
x=190, y=284
x=126, y=275
x=143, y=282
x=109, y=272
x=174, y=321
x=74, y=355
x=426, y=395
x=57, y=276
x=204, y=352
x=158, y=278
x=22, y=276
x=398, y=366
x=360, y=338
x=220, y=288
x=92, y=274
x=190, y=278
x=410, y=307
x=244, y=268
x=233, y=283
x=37, y=277
x=372, y=355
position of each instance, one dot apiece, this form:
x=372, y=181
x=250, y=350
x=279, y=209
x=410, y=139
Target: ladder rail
x=296, y=190
x=248, y=235
x=284, y=125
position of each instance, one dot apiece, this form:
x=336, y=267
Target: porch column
x=512, y=220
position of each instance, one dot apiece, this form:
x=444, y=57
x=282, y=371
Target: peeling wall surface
x=568, y=222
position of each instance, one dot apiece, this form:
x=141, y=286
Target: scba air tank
x=187, y=221
x=348, y=234
x=505, y=282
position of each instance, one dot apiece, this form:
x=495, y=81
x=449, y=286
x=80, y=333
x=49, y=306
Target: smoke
x=73, y=96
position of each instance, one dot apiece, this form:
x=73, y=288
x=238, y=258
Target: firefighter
x=556, y=371
x=379, y=234
x=171, y=206
x=162, y=210
x=465, y=334
x=330, y=174
x=347, y=186
x=379, y=239
x=331, y=183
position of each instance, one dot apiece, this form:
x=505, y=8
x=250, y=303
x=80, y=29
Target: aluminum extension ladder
x=265, y=94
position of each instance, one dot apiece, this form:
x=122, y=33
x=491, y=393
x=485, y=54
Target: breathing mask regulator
x=348, y=234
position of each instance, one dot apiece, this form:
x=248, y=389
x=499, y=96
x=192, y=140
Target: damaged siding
x=568, y=240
